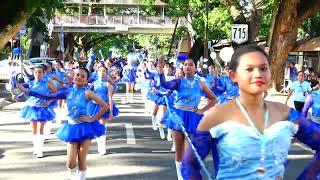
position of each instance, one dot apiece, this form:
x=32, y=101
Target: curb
x=4, y=102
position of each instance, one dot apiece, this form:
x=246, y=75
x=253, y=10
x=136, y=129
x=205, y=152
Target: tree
x=291, y=15
x=311, y=27
x=246, y=12
x=15, y=13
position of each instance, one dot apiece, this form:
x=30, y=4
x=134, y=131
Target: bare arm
x=104, y=106
x=308, y=103
x=110, y=94
x=54, y=77
x=210, y=119
x=212, y=98
x=52, y=87
x=111, y=81
x=290, y=93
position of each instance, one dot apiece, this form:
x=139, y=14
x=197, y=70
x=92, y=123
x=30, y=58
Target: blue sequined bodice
x=162, y=89
x=128, y=71
x=210, y=80
x=239, y=149
x=59, y=74
x=39, y=87
x=231, y=88
x=189, y=92
x=77, y=102
x=94, y=76
x=48, y=76
x=316, y=104
x=100, y=89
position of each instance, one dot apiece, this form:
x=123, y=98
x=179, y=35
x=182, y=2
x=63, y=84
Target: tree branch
x=89, y=44
x=307, y=8
x=234, y=8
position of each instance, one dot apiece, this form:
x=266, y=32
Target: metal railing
x=124, y=2
x=114, y=20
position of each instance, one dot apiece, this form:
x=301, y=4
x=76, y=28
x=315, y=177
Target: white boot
x=102, y=144
x=161, y=131
x=154, y=122
x=40, y=141
x=131, y=97
x=123, y=100
x=146, y=109
x=47, y=129
x=178, y=167
x=82, y=175
x=73, y=174
x=35, y=144
x=173, y=148
x=127, y=97
x=169, y=135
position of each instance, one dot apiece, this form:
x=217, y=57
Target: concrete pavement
x=147, y=158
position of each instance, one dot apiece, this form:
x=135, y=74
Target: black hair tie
x=19, y=78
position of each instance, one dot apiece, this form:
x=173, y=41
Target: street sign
x=23, y=30
x=239, y=33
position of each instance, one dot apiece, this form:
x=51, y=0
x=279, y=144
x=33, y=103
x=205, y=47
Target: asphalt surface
x=135, y=153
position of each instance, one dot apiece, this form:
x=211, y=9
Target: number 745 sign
x=239, y=33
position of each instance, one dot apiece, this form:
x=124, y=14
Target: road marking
x=162, y=151
x=304, y=147
x=130, y=134
x=302, y=156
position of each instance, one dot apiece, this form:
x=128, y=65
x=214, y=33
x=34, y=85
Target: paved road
x=134, y=150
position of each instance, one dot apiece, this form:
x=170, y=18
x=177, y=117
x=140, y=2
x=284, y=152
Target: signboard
x=23, y=30
x=239, y=33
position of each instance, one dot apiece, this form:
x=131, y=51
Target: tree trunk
x=12, y=29
x=70, y=45
x=273, y=21
x=283, y=39
x=254, y=20
x=36, y=42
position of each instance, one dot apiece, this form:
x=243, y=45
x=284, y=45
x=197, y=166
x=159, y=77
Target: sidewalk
x=280, y=98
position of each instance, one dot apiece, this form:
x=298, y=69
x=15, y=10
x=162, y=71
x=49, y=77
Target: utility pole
x=205, y=55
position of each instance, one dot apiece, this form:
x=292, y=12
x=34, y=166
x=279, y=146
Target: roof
x=113, y=3
x=309, y=44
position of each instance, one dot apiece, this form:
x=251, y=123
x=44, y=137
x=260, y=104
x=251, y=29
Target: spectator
x=301, y=89
x=293, y=71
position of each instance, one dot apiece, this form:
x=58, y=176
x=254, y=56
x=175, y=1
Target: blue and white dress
x=75, y=130
x=211, y=82
x=226, y=89
x=313, y=102
x=237, y=149
x=100, y=88
x=36, y=108
x=186, y=102
x=128, y=74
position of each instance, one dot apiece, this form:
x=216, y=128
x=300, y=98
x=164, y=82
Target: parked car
x=39, y=60
x=7, y=68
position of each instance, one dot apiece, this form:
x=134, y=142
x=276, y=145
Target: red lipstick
x=259, y=83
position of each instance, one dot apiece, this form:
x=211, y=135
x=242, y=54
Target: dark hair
x=244, y=50
x=49, y=63
x=194, y=62
x=111, y=61
x=87, y=71
x=300, y=72
x=103, y=66
x=39, y=66
x=61, y=64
